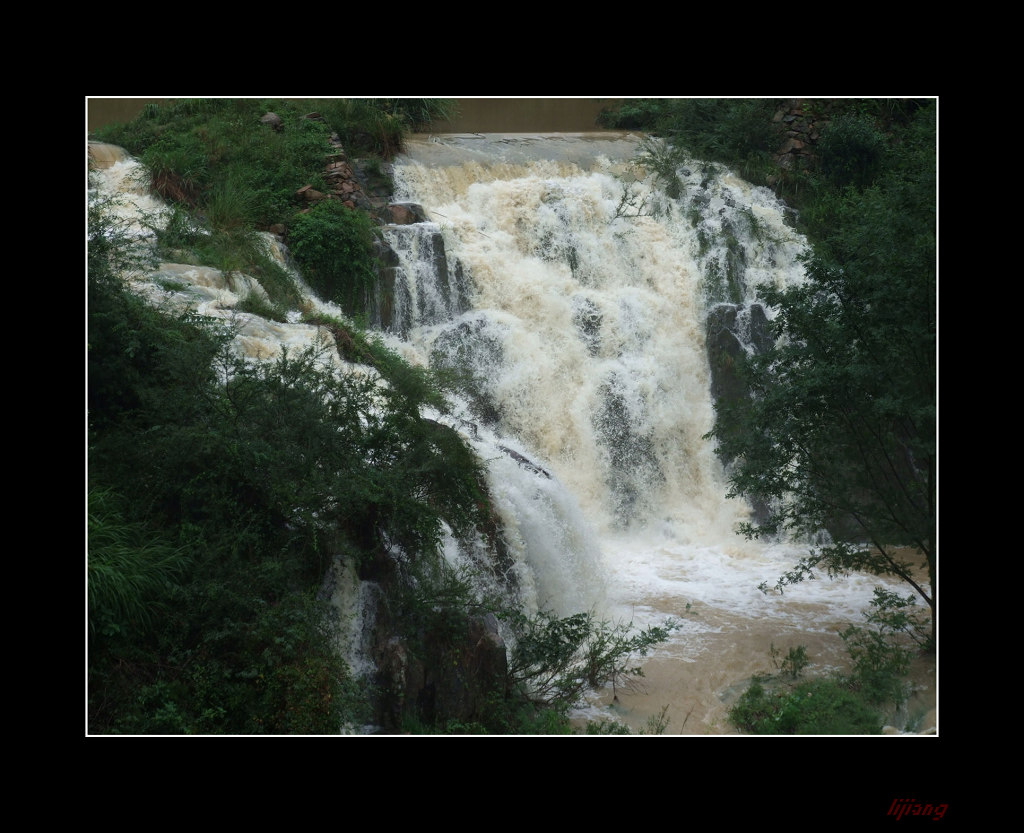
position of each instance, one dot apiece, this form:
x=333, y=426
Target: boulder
x=273, y=120
x=406, y=213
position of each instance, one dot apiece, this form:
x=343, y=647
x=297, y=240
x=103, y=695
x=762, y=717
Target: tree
x=839, y=433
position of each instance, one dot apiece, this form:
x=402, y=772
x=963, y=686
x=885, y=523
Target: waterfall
x=569, y=293
x=579, y=327
x=584, y=333
x=572, y=300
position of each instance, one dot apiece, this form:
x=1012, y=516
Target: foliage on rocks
x=240, y=481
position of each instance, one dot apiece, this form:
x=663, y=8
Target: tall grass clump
x=379, y=125
x=132, y=572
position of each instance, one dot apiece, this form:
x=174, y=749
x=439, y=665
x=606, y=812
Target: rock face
x=448, y=675
x=426, y=666
x=404, y=213
x=729, y=328
x=802, y=130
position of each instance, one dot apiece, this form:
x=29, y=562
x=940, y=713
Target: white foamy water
x=583, y=333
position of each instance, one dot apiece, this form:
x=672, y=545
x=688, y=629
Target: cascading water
x=583, y=336
x=573, y=299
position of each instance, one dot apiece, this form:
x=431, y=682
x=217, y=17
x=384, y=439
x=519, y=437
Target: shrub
x=793, y=663
x=841, y=704
x=882, y=653
x=738, y=132
x=816, y=707
x=379, y=125
x=334, y=248
x=851, y=151
x=554, y=660
x=247, y=659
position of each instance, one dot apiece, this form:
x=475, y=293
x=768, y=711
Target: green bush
x=793, y=663
x=883, y=651
x=136, y=354
x=815, y=707
x=841, y=704
x=245, y=660
x=851, y=151
x=333, y=246
x=555, y=660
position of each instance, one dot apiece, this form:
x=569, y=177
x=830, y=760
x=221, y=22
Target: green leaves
x=720, y=130
x=334, y=246
x=883, y=651
x=555, y=660
x=215, y=156
x=837, y=704
x=814, y=707
x=244, y=480
x=851, y=151
x=839, y=432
